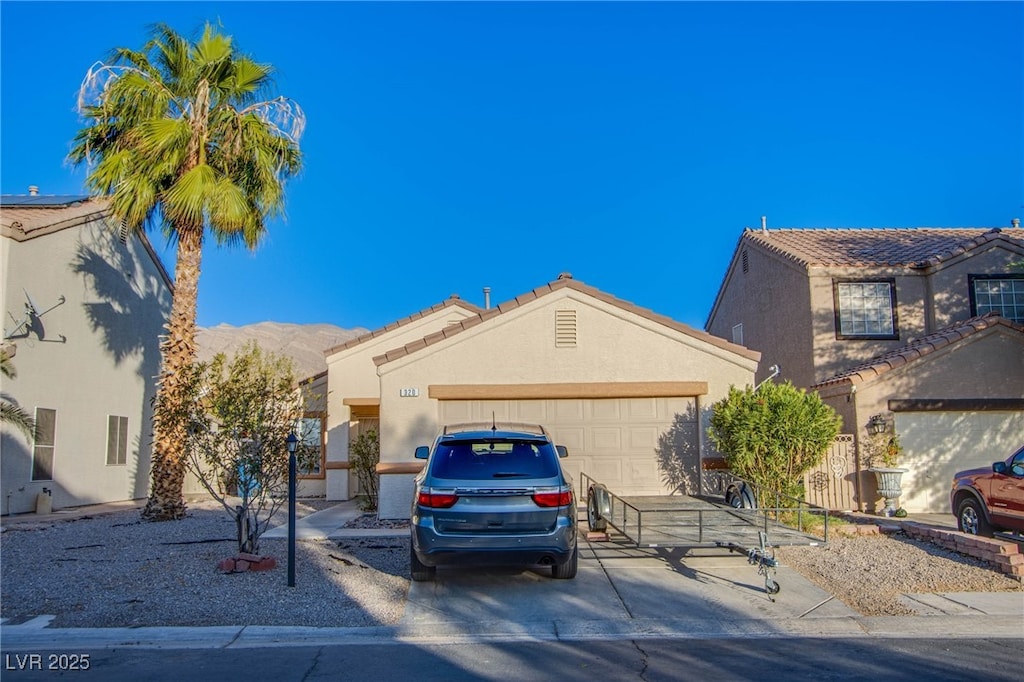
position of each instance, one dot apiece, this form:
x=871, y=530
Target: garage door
x=938, y=444
x=635, y=446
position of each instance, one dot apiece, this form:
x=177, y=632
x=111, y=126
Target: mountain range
x=303, y=343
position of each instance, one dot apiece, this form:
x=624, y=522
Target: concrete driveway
x=624, y=590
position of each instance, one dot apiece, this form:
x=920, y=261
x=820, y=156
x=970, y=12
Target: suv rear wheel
x=567, y=570
x=420, y=571
x=970, y=517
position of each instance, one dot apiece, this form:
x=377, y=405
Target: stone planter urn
x=889, y=486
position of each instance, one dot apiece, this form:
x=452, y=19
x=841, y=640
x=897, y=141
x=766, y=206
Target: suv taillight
x=436, y=500
x=554, y=498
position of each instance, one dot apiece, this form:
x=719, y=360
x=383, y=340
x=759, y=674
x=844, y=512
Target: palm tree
x=178, y=131
x=10, y=413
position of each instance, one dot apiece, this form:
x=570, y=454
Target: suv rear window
x=488, y=459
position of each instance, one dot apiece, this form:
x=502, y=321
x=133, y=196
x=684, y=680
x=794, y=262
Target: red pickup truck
x=991, y=499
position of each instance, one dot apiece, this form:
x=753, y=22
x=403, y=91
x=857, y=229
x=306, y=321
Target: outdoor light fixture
x=291, y=443
x=877, y=425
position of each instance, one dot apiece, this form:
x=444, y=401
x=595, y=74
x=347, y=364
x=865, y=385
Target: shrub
x=364, y=455
x=772, y=435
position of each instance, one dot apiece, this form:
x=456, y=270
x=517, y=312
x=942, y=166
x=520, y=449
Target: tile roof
x=564, y=281
x=454, y=300
x=918, y=348
x=30, y=220
x=23, y=222
x=916, y=247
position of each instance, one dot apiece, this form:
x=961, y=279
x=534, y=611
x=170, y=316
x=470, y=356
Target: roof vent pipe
x=764, y=223
x=1015, y=222
x=487, y=298
x=33, y=190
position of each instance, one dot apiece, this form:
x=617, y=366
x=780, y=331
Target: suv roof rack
x=494, y=426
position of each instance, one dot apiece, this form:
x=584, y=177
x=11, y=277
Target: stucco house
x=84, y=305
x=955, y=397
x=833, y=307
x=625, y=389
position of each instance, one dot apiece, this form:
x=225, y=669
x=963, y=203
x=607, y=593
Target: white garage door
x=635, y=446
x=938, y=444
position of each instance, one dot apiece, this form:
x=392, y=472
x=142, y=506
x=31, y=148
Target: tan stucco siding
x=926, y=300
x=832, y=355
x=989, y=365
x=115, y=309
x=951, y=282
x=772, y=302
x=519, y=348
x=352, y=374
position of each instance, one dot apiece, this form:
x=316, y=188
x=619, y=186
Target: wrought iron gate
x=833, y=483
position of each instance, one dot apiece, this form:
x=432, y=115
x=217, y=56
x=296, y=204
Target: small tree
x=237, y=420
x=772, y=435
x=364, y=455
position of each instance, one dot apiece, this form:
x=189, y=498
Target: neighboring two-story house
x=895, y=324
x=84, y=306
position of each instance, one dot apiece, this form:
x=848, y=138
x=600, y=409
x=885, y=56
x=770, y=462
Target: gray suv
x=493, y=494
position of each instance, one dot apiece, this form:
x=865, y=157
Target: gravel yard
x=870, y=572
x=115, y=570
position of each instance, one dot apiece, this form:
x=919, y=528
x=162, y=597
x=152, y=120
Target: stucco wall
x=772, y=301
x=952, y=288
x=926, y=301
x=351, y=373
x=518, y=347
x=988, y=365
x=115, y=309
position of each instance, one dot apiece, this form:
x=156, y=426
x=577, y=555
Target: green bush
x=772, y=435
x=364, y=455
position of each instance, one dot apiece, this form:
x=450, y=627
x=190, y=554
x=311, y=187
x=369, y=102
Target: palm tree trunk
x=178, y=351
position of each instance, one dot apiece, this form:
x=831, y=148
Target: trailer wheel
x=596, y=509
x=740, y=497
x=772, y=587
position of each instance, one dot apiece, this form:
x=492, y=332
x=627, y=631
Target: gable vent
x=123, y=232
x=565, y=329
x=746, y=263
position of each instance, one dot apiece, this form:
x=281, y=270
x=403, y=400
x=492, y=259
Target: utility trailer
x=689, y=521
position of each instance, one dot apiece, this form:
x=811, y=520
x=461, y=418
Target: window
x=494, y=458
x=865, y=309
x=42, y=452
x=737, y=334
x=1003, y=294
x=117, y=440
x=311, y=433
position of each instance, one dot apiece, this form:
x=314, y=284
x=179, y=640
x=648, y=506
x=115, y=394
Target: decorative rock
x=247, y=562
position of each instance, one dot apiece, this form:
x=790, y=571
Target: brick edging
x=1003, y=555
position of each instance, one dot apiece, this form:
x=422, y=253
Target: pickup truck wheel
x=970, y=517
x=420, y=571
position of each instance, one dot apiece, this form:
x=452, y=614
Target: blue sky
x=452, y=146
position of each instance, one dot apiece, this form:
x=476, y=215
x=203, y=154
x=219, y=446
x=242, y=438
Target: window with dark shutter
x=42, y=450
x=117, y=440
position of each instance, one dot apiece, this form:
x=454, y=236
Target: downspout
x=929, y=297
